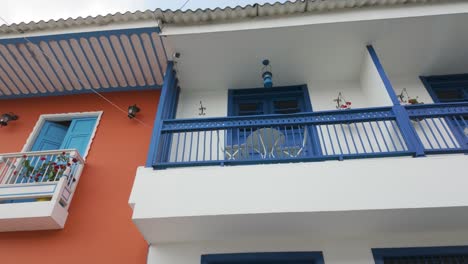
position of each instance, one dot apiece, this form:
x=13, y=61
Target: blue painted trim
x=29, y=185
x=61, y=67
x=429, y=89
x=5, y=84
x=67, y=77
x=116, y=58
x=265, y=257
x=106, y=33
x=128, y=61
x=48, y=64
x=155, y=136
x=298, y=115
x=101, y=68
x=33, y=193
x=76, y=77
x=137, y=57
x=408, y=132
x=164, y=165
x=22, y=68
x=98, y=41
x=164, y=46
x=456, y=78
x=83, y=91
x=156, y=55
x=73, y=54
x=15, y=76
x=383, y=75
x=147, y=60
x=380, y=253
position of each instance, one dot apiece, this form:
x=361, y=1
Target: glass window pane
x=286, y=106
x=254, y=108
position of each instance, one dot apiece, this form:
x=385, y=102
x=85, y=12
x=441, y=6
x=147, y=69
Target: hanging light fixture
x=132, y=111
x=7, y=117
x=266, y=74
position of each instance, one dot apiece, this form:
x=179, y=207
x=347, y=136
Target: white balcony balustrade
x=36, y=188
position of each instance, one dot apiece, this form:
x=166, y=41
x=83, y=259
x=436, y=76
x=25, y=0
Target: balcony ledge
x=209, y=203
x=36, y=188
x=29, y=216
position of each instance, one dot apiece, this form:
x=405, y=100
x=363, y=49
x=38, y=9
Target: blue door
x=79, y=134
x=50, y=137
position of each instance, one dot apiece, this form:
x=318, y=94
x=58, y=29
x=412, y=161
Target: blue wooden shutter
x=50, y=137
x=79, y=134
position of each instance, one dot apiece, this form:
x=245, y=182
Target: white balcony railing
x=40, y=176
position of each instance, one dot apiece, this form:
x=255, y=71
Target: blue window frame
x=264, y=101
x=450, y=89
x=264, y=258
x=274, y=101
x=447, y=88
x=416, y=255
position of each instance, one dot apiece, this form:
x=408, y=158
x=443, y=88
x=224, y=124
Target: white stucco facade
x=341, y=208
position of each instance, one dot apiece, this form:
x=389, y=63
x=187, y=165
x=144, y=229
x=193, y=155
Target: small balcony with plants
x=36, y=188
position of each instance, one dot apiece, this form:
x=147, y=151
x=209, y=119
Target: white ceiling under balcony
x=322, y=52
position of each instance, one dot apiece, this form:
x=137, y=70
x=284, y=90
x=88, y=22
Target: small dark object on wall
x=6, y=118
x=132, y=111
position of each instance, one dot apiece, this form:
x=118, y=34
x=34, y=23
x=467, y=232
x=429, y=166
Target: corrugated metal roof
x=208, y=15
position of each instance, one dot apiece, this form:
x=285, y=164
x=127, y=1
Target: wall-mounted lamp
x=266, y=74
x=132, y=111
x=7, y=117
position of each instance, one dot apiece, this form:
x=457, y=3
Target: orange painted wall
x=99, y=227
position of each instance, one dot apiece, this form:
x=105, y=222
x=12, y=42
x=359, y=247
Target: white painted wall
x=363, y=184
x=322, y=94
x=336, y=250
x=213, y=98
x=372, y=84
x=414, y=87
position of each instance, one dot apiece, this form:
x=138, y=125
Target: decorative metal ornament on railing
x=406, y=99
x=341, y=102
x=201, y=109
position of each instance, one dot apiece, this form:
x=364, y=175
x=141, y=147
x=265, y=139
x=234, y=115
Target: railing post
x=156, y=135
x=402, y=118
x=407, y=131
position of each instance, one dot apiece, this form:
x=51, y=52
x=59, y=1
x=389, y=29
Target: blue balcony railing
x=441, y=128
x=359, y=133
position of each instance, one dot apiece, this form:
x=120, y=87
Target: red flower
x=63, y=153
x=43, y=158
x=24, y=156
x=74, y=160
x=56, y=167
x=344, y=106
x=348, y=103
x=38, y=175
x=62, y=167
x=15, y=172
x=68, y=164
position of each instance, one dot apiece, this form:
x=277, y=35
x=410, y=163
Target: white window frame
x=60, y=118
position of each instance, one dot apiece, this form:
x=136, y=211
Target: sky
x=16, y=11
